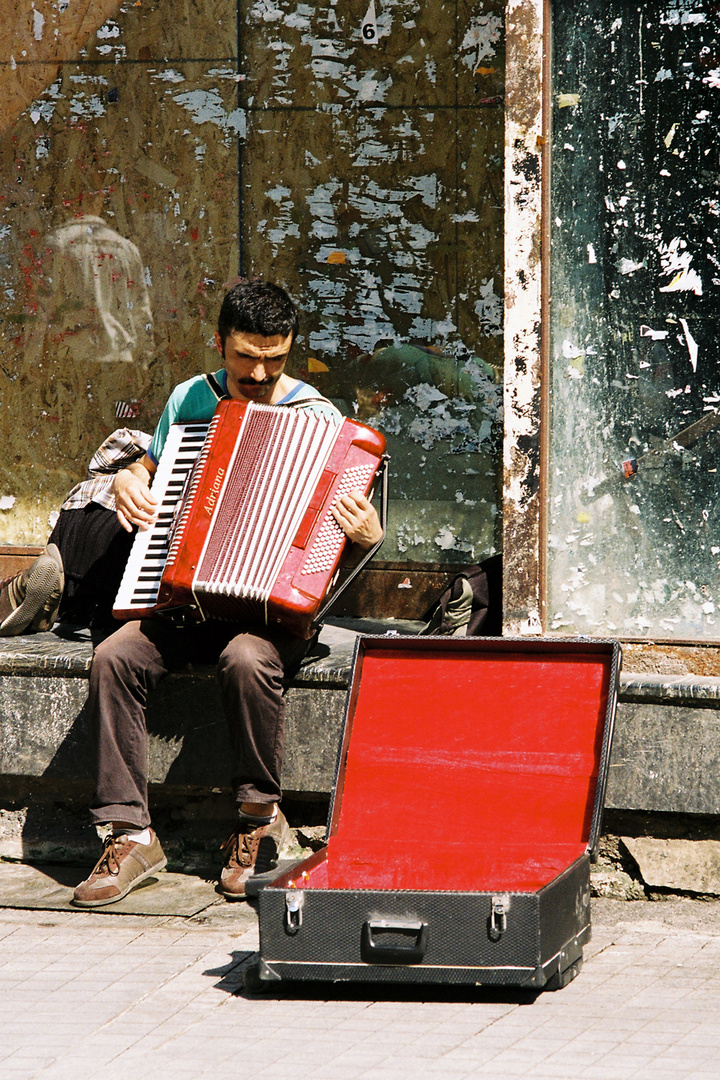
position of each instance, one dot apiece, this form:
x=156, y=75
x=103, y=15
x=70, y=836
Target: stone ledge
x=66, y=651
x=663, y=689
x=44, y=729
x=666, y=754
x=46, y=654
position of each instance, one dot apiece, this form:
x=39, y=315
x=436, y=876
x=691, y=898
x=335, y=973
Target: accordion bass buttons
x=330, y=537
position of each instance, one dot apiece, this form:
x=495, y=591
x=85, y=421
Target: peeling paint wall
x=633, y=500
x=373, y=185
x=36, y=40
x=524, y=141
x=144, y=159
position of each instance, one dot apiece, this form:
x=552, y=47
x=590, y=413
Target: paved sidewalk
x=127, y=997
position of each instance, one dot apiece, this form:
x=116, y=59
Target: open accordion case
x=466, y=811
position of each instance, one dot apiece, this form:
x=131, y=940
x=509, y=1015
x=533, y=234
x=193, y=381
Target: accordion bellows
x=245, y=530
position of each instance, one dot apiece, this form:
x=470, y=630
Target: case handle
x=374, y=952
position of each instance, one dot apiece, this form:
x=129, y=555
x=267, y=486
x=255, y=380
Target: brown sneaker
x=123, y=864
x=249, y=851
x=29, y=601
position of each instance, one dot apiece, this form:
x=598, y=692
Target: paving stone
x=684, y=865
x=171, y=983
x=50, y=888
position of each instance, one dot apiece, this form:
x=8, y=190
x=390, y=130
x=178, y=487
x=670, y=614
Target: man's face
x=254, y=364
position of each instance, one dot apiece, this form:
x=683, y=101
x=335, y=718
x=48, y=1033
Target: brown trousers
x=130, y=663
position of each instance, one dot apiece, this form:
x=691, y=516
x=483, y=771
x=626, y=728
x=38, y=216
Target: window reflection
x=633, y=517
x=441, y=415
x=92, y=296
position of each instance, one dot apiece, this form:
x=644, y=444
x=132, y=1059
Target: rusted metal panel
x=525, y=139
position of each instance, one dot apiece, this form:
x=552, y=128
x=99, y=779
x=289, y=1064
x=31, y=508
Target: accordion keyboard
x=141, y=581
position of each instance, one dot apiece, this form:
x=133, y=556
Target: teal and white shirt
x=196, y=400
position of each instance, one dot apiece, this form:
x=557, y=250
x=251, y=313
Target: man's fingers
x=353, y=504
x=130, y=513
x=358, y=499
x=358, y=519
x=145, y=503
x=344, y=511
x=127, y=526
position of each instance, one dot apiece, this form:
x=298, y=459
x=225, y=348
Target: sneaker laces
x=109, y=860
x=240, y=847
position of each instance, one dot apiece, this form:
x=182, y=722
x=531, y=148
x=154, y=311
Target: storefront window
x=633, y=527
x=354, y=155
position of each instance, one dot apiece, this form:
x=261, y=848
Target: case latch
x=497, y=922
x=294, y=900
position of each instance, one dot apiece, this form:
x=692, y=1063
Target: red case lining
x=467, y=770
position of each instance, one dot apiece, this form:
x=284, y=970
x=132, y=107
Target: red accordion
x=245, y=530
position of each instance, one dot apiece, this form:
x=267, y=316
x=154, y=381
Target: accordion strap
x=303, y=403
x=307, y=402
x=215, y=386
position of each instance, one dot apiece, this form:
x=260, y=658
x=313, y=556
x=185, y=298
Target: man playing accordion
x=257, y=325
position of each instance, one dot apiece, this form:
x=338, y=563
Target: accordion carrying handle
x=384, y=492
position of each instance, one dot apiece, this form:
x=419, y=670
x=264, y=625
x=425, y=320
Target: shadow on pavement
x=232, y=982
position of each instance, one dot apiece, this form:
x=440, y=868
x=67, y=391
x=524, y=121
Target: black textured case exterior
x=544, y=934
x=541, y=941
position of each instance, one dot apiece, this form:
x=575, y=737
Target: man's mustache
x=262, y=382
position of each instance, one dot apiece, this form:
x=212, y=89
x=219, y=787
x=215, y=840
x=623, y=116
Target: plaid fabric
x=119, y=450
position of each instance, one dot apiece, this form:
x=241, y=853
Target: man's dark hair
x=258, y=307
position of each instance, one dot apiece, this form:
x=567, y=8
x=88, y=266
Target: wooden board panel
x=118, y=217
x=366, y=179
x=372, y=181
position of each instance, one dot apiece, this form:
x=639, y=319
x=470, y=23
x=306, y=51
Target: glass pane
x=373, y=187
x=118, y=228
x=635, y=311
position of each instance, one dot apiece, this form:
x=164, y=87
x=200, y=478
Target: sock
x=139, y=836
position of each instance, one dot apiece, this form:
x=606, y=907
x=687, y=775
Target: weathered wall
x=525, y=164
x=633, y=518
x=36, y=41
x=373, y=182
x=118, y=228
x=364, y=175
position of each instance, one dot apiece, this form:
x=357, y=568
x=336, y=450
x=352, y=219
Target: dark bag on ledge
x=471, y=605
